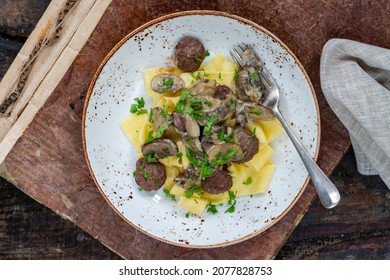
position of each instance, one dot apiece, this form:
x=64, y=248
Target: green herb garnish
x=147, y=175
x=195, y=189
x=210, y=122
x=255, y=111
x=221, y=159
x=248, y=181
x=253, y=133
x=232, y=202
x=168, y=194
x=208, y=103
x=159, y=133
x=138, y=108
x=236, y=75
x=255, y=74
x=211, y=208
x=229, y=138
x=150, y=158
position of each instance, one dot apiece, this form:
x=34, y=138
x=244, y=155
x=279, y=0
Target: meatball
x=219, y=182
x=149, y=176
x=248, y=143
x=221, y=92
x=189, y=54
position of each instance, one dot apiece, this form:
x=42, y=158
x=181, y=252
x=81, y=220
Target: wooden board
x=47, y=162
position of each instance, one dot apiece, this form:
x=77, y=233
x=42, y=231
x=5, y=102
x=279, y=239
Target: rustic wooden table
x=359, y=228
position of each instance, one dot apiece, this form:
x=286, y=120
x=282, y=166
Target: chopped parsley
x=138, y=107
x=236, y=75
x=208, y=103
x=248, y=181
x=195, y=189
x=229, y=138
x=255, y=74
x=221, y=159
x=232, y=202
x=211, y=208
x=150, y=158
x=169, y=195
x=210, y=123
x=147, y=175
x=159, y=133
x=179, y=155
x=253, y=133
x=233, y=101
x=151, y=115
x=206, y=53
x=196, y=75
x=167, y=84
x=255, y=111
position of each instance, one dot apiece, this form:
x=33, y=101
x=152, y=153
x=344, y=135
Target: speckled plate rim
x=184, y=14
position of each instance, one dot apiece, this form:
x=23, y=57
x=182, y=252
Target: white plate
x=111, y=157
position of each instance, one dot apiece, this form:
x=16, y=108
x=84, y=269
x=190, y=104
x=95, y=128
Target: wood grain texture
x=51, y=145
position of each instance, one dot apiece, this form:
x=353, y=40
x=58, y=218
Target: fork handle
x=326, y=190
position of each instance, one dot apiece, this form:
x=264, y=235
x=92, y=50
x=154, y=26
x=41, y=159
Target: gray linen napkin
x=355, y=79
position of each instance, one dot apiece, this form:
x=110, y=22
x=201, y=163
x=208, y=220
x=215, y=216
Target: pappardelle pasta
x=206, y=140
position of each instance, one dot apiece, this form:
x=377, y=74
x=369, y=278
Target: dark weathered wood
x=304, y=26
x=31, y=231
x=19, y=17
x=358, y=228
x=8, y=50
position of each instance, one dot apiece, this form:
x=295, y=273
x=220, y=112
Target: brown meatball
x=219, y=182
x=248, y=143
x=221, y=92
x=149, y=176
x=189, y=54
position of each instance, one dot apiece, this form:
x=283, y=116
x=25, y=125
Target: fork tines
x=236, y=53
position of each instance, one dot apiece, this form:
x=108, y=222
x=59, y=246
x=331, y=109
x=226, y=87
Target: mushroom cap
x=161, y=148
x=246, y=111
x=166, y=83
x=220, y=151
x=159, y=118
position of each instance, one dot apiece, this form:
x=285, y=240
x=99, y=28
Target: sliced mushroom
x=204, y=87
x=213, y=139
x=166, y=83
x=190, y=177
x=161, y=148
x=194, y=144
x=225, y=152
x=247, y=90
x=247, y=111
x=160, y=118
x=250, y=59
x=186, y=125
x=249, y=86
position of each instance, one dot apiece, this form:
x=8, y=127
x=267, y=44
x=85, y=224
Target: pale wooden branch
x=42, y=62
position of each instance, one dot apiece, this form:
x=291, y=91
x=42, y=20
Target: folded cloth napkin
x=355, y=79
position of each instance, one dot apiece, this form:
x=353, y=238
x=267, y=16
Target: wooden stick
x=42, y=62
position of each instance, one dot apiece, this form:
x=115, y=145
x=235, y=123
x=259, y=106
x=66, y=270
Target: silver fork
x=326, y=190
